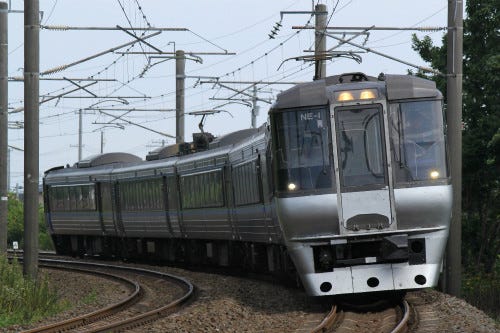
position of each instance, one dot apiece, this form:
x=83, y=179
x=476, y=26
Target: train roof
x=108, y=158
x=398, y=87
x=123, y=165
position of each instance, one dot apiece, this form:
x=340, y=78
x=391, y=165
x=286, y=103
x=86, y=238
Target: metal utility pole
x=102, y=142
x=4, y=159
x=255, y=108
x=320, y=41
x=80, y=131
x=180, y=78
x=453, y=263
x=8, y=169
x=31, y=134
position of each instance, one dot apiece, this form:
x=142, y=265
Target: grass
x=23, y=300
x=483, y=291
x=90, y=298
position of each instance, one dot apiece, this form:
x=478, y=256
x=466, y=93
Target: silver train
x=347, y=186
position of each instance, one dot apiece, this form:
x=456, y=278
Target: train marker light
x=434, y=174
x=292, y=187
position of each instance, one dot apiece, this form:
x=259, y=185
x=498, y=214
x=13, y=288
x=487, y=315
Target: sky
x=136, y=81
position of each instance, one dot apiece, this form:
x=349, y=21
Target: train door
x=363, y=183
x=174, y=212
x=117, y=209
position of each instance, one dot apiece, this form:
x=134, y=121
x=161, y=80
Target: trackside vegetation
x=480, y=150
x=15, y=223
x=22, y=300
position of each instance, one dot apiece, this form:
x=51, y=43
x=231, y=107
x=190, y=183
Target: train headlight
x=292, y=187
x=368, y=94
x=351, y=95
x=434, y=174
x=345, y=96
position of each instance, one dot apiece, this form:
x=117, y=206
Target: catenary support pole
x=180, y=77
x=31, y=135
x=8, y=169
x=102, y=142
x=254, y=107
x=4, y=159
x=80, y=133
x=320, y=41
x=453, y=265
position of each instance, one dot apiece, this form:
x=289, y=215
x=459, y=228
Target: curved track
x=141, y=306
x=391, y=320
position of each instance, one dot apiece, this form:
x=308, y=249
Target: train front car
x=363, y=195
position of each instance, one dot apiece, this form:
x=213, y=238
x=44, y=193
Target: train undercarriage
x=244, y=256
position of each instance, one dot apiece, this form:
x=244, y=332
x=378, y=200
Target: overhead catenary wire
x=64, y=67
x=156, y=98
x=126, y=83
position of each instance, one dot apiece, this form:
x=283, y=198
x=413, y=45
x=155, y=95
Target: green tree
x=481, y=134
x=15, y=219
x=15, y=224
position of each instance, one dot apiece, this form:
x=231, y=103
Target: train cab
x=361, y=182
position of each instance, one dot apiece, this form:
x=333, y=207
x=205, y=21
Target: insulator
x=432, y=29
x=56, y=27
x=55, y=70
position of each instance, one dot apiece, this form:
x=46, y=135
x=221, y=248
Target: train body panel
x=425, y=207
x=314, y=216
x=350, y=177
x=252, y=223
x=76, y=223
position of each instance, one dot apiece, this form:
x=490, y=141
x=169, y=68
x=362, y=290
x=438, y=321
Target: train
x=346, y=186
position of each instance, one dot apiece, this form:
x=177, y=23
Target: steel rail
x=94, y=316
x=327, y=322
x=403, y=324
x=144, y=317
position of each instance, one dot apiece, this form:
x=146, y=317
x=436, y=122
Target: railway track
x=145, y=302
x=391, y=320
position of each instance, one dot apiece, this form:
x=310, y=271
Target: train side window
x=72, y=198
x=246, y=182
x=202, y=190
x=87, y=202
x=92, y=198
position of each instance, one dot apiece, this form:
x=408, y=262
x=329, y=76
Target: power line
x=89, y=28
x=426, y=29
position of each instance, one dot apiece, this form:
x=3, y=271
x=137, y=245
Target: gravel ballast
x=235, y=304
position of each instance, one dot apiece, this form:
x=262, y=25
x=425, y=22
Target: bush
x=483, y=290
x=23, y=300
x=15, y=225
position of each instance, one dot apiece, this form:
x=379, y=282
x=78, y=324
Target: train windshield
x=417, y=134
x=302, y=138
x=361, y=146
